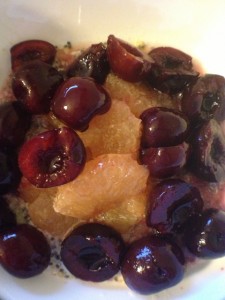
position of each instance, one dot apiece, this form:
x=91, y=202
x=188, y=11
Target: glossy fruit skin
x=152, y=264
x=10, y=174
x=208, y=152
x=24, y=251
x=52, y=158
x=92, y=252
x=91, y=63
x=7, y=217
x=164, y=162
x=205, y=234
x=14, y=123
x=31, y=50
x=163, y=127
x=127, y=61
x=78, y=100
x=204, y=99
x=34, y=85
x=170, y=204
x=174, y=70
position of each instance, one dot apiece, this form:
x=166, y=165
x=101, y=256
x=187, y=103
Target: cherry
x=164, y=162
x=24, y=251
x=174, y=70
x=171, y=203
x=127, y=61
x=91, y=63
x=163, y=127
x=204, y=99
x=205, y=234
x=34, y=84
x=31, y=50
x=92, y=252
x=78, y=100
x=7, y=217
x=208, y=152
x=152, y=264
x=14, y=123
x=10, y=174
x=52, y=158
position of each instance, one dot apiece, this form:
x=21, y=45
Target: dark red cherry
x=10, y=174
x=174, y=70
x=163, y=127
x=204, y=99
x=52, y=158
x=171, y=203
x=78, y=100
x=14, y=123
x=91, y=63
x=34, y=84
x=127, y=61
x=24, y=251
x=152, y=264
x=164, y=162
x=205, y=234
x=208, y=152
x=92, y=252
x=7, y=217
x=31, y=50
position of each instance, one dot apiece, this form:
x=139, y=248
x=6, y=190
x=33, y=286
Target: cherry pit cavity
x=120, y=154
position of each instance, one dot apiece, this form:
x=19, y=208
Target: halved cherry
x=127, y=61
x=174, y=72
x=52, y=158
x=31, y=50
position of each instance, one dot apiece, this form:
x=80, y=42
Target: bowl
x=196, y=27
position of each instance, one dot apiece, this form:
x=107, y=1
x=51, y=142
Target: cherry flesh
x=24, y=251
x=91, y=63
x=78, y=100
x=204, y=99
x=32, y=50
x=205, y=234
x=127, y=61
x=152, y=264
x=170, y=204
x=174, y=70
x=34, y=84
x=52, y=158
x=208, y=152
x=92, y=252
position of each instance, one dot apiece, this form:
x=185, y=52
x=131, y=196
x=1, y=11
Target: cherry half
x=52, y=158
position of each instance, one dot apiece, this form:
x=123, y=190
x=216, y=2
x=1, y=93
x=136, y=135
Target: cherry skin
x=205, y=234
x=163, y=127
x=7, y=217
x=164, y=162
x=31, y=50
x=78, y=100
x=24, y=251
x=170, y=204
x=152, y=264
x=92, y=252
x=34, y=85
x=52, y=158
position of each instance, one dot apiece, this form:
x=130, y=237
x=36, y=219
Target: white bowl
x=197, y=27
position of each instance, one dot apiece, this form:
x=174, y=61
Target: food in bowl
x=119, y=150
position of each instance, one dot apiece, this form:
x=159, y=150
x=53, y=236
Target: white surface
x=197, y=27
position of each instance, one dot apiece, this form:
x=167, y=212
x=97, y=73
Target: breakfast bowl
x=196, y=28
